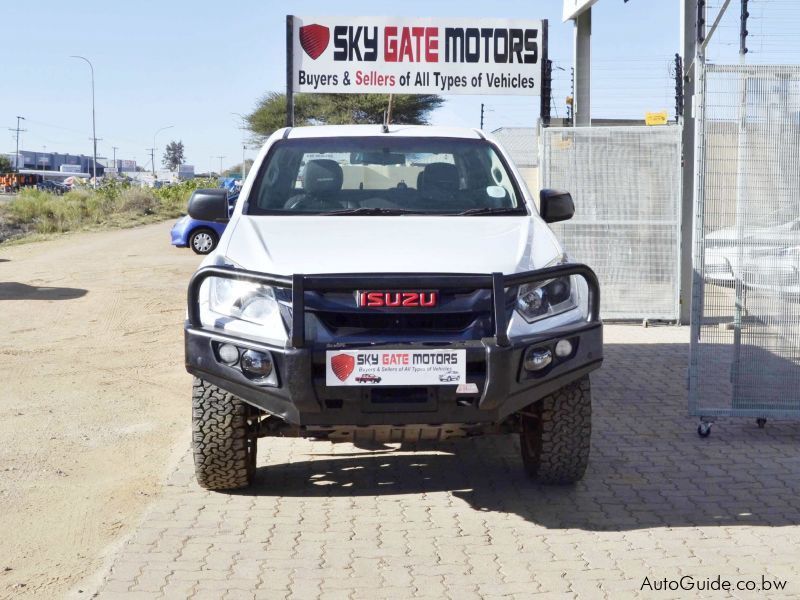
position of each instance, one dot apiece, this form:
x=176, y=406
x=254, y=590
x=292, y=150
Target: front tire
x=223, y=438
x=556, y=435
x=203, y=240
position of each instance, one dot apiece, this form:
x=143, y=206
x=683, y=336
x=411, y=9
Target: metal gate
x=626, y=185
x=745, y=350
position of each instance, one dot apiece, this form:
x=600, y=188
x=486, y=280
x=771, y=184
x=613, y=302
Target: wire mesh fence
x=746, y=295
x=625, y=182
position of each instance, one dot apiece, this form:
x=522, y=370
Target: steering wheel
x=311, y=203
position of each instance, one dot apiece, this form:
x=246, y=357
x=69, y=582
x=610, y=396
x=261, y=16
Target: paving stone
x=460, y=519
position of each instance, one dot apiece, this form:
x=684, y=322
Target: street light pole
x=94, y=129
x=244, y=146
x=154, y=146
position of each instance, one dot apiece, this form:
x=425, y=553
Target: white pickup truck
x=390, y=284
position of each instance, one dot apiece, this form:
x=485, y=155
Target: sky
x=191, y=65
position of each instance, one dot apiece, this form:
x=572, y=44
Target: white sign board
x=364, y=368
x=359, y=55
x=572, y=8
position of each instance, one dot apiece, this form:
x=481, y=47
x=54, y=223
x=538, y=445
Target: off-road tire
x=556, y=434
x=223, y=438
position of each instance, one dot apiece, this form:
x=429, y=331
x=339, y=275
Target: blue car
x=200, y=236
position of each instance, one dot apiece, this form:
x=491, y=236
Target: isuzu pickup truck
x=392, y=284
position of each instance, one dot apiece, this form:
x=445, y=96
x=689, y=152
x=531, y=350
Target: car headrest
x=322, y=175
x=441, y=177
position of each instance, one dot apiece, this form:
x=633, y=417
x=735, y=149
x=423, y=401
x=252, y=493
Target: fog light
x=537, y=359
x=229, y=354
x=563, y=348
x=256, y=364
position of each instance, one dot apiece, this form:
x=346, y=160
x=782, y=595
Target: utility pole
x=152, y=153
x=482, y=105
x=220, y=157
x=18, y=131
x=94, y=129
x=154, y=145
x=115, y=148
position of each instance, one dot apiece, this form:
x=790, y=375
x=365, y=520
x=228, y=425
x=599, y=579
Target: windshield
x=384, y=176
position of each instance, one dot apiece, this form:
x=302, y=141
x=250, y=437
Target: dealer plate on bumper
x=395, y=367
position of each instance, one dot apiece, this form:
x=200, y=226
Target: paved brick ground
x=461, y=521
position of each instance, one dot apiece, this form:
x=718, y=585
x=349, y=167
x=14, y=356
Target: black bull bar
x=299, y=284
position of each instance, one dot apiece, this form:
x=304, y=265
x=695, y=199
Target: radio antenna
x=387, y=115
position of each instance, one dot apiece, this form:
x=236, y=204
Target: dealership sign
x=360, y=55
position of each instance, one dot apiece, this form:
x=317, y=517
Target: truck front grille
x=433, y=323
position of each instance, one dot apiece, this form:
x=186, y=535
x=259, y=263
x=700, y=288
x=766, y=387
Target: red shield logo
x=342, y=365
x=314, y=39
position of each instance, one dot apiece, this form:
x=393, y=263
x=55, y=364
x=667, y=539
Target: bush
x=114, y=202
x=28, y=205
x=174, y=198
x=140, y=201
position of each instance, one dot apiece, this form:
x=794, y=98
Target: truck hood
x=310, y=244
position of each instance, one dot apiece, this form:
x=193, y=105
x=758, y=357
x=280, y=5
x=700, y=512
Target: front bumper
x=494, y=364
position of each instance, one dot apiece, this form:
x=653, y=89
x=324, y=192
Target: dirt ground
x=93, y=397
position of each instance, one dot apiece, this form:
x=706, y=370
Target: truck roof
x=326, y=131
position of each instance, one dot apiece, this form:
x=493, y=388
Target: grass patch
x=114, y=204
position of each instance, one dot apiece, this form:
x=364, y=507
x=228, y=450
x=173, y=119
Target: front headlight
x=241, y=307
x=539, y=300
x=242, y=300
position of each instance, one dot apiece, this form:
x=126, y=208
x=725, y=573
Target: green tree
x=173, y=155
x=338, y=109
x=5, y=164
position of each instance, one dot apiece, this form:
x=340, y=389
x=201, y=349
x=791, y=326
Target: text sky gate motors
x=417, y=56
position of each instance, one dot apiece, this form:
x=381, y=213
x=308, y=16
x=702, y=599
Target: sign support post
x=289, y=71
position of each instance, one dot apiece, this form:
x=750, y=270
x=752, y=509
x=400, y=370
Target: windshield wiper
x=489, y=210
x=367, y=210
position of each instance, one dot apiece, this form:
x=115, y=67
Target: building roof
x=521, y=143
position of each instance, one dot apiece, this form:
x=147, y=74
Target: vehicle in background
x=199, y=235
x=53, y=187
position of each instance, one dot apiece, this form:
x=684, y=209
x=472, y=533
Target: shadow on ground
x=10, y=290
x=648, y=466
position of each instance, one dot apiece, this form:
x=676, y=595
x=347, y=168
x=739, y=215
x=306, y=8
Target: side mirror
x=209, y=205
x=555, y=205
